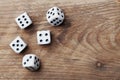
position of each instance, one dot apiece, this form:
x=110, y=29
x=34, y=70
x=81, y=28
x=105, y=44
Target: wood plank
x=85, y=47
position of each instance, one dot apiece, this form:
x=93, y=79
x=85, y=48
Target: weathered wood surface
x=85, y=47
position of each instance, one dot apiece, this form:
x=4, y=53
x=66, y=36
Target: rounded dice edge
x=51, y=19
x=18, y=52
x=54, y=18
x=27, y=55
x=38, y=32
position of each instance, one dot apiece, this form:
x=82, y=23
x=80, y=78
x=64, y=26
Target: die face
x=43, y=37
x=18, y=45
x=23, y=20
x=37, y=63
x=55, y=16
x=55, y=20
x=28, y=61
x=31, y=62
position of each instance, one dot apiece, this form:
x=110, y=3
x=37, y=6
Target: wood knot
x=99, y=64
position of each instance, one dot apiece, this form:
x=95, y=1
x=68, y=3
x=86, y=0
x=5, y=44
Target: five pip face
x=55, y=17
x=18, y=45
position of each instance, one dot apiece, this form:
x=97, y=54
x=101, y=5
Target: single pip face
x=55, y=16
x=23, y=21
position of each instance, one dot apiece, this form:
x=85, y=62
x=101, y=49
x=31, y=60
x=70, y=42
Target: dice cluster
x=55, y=17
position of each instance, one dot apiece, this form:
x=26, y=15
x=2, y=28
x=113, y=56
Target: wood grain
x=85, y=47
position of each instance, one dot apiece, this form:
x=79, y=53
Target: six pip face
x=23, y=21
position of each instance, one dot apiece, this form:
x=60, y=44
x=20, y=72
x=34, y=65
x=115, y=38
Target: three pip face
x=55, y=17
x=31, y=62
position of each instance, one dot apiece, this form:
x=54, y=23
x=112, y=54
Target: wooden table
x=85, y=47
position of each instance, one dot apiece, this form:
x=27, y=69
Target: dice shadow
x=34, y=72
x=31, y=29
x=38, y=70
x=24, y=51
x=66, y=23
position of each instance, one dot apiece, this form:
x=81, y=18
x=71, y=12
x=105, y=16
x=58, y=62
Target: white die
x=43, y=37
x=31, y=62
x=18, y=45
x=23, y=20
x=55, y=16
